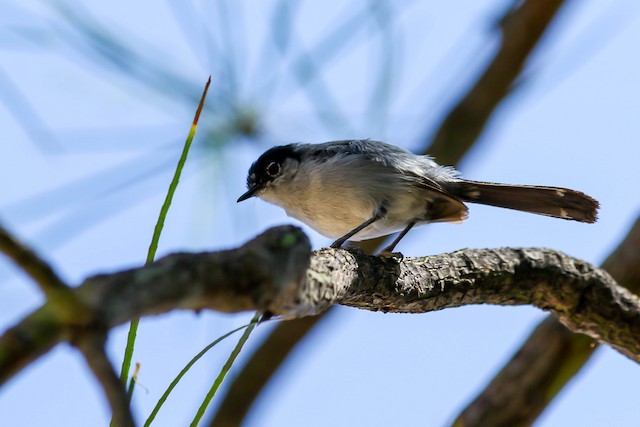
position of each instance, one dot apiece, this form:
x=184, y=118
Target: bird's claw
x=391, y=255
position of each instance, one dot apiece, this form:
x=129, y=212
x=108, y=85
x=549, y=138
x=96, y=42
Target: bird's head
x=275, y=166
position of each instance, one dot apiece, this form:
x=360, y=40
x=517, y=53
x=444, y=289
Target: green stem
x=133, y=328
x=184, y=370
x=224, y=371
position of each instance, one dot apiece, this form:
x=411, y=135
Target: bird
x=361, y=189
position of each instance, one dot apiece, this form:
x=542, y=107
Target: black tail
x=550, y=201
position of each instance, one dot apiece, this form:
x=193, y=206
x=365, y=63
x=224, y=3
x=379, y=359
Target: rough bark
x=253, y=276
x=548, y=359
x=276, y=273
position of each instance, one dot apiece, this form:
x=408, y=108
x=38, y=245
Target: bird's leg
x=388, y=251
x=381, y=212
x=265, y=317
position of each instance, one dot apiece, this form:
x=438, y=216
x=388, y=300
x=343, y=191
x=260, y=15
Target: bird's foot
x=337, y=244
x=354, y=248
x=391, y=255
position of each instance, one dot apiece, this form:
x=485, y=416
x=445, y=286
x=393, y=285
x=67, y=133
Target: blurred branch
x=26, y=115
x=522, y=28
x=549, y=358
x=92, y=347
x=42, y=331
x=263, y=273
x=62, y=301
x=30, y=263
x=110, y=48
x=276, y=273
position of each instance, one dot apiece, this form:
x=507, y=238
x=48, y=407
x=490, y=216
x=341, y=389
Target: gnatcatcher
x=361, y=189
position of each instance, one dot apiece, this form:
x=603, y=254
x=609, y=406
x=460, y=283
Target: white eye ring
x=273, y=169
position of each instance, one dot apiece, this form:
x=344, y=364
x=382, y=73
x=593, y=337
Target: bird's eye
x=273, y=169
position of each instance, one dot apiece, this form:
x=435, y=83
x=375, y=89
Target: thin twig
x=39, y=270
x=91, y=344
x=63, y=303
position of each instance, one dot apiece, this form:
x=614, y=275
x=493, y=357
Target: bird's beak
x=249, y=194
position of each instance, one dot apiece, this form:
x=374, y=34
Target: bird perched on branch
x=361, y=189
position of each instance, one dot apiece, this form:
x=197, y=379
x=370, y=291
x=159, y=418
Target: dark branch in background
x=62, y=302
x=41, y=273
x=549, y=358
x=277, y=273
x=63, y=307
x=521, y=29
x=91, y=344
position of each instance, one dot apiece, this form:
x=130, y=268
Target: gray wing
x=414, y=167
x=373, y=150
x=418, y=171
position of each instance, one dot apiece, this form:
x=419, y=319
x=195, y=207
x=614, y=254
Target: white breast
x=335, y=199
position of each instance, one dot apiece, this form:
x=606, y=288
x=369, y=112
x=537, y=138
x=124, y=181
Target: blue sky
x=89, y=151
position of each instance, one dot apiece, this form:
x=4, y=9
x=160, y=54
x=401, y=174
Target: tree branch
x=584, y=298
x=92, y=347
x=549, y=358
x=255, y=275
x=522, y=27
x=34, y=266
x=270, y=274
x=61, y=299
